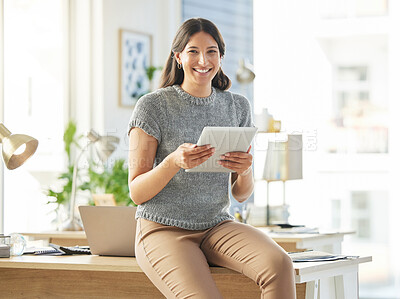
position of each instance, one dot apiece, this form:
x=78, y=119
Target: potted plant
x=110, y=180
x=98, y=179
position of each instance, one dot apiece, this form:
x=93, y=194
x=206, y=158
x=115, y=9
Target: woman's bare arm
x=242, y=185
x=145, y=181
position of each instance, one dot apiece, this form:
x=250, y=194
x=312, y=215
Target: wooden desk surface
x=129, y=264
x=83, y=263
x=121, y=277
x=84, y=276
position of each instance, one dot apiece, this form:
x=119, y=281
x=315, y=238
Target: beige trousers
x=176, y=260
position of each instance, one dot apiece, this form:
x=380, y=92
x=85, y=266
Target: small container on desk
x=4, y=246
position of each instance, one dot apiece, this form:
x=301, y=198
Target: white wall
x=159, y=18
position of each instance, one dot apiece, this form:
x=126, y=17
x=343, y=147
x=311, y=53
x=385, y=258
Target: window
x=338, y=77
x=333, y=9
x=357, y=118
x=361, y=214
x=35, y=90
x=335, y=213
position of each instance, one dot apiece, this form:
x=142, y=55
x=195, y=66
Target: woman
x=183, y=219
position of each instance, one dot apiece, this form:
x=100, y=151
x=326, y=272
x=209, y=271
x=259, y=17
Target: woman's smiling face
x=200, y=60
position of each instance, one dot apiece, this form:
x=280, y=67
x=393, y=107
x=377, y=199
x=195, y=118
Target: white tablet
x=224, y=140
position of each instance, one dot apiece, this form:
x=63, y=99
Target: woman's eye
x=192, y=51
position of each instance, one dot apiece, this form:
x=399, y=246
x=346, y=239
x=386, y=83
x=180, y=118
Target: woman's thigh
x=245, y=249
x=172, y=259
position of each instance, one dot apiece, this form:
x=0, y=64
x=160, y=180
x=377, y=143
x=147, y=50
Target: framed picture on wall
x=135, y=59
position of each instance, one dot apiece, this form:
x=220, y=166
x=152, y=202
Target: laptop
x=110, y=230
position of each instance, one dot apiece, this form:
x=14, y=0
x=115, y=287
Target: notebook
x=110, y=230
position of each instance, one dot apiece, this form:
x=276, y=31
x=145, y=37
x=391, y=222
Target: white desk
x=327, y=242
x=337, y=279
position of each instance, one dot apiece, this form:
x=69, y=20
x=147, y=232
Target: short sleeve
x=244, y=112
x=146, y=116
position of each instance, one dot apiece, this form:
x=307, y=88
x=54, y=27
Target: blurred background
x=327, y=69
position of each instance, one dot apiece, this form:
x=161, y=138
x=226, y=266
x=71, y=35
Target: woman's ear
x=177, y=56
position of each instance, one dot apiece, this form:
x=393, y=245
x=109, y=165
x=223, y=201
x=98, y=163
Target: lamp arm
x=112, y=139
x=73, y=188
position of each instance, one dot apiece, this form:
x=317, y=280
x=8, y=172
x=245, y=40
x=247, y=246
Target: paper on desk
x=42, y=251
x=317, y=256
x=295, y=230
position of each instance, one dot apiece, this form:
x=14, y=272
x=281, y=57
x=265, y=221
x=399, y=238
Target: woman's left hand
x=237, y=161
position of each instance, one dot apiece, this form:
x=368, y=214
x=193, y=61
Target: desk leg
x=339, y=286
x=312, y=289
x=327, y=289
x=350, y=285
x=346, y=285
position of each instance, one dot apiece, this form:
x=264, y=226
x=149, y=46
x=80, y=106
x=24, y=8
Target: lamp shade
x=245, y=73
x=11, y=143
x=104, y=145
x=284, y=160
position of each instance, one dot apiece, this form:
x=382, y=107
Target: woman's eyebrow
x=194, y=47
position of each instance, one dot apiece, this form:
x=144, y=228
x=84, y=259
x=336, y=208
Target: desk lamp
x=283, y=163
x=245, y=73
x=104, y=146
x=12, y=145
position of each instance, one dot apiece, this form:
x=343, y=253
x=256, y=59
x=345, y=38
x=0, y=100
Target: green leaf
x=151, y=70
x=69, y=135
x=113, y=181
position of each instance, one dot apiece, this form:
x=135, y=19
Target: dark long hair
x=171, y=75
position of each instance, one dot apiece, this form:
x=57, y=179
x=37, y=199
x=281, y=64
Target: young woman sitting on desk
x=183, y=219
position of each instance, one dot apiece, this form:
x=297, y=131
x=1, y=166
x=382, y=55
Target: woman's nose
x=202, y=58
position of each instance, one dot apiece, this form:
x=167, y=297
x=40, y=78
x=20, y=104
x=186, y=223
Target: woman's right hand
x=189, y=155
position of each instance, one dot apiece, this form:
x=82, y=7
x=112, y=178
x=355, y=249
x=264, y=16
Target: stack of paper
x=294, y=230
x=4, y=250
x=317, y=256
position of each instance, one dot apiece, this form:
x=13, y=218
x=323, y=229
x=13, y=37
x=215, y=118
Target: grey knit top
x=197, y=200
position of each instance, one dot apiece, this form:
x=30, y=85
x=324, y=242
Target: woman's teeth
x=202, y=71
